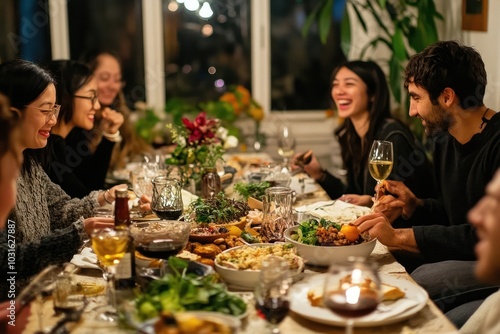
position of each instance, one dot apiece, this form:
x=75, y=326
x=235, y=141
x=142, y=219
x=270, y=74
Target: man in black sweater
x=446, y=83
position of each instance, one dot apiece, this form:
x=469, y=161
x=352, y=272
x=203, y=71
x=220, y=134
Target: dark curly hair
x=449, y=64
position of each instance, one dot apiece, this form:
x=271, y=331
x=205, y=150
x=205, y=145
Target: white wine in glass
x=110, y=246
x=381, y=160
x=286, y=144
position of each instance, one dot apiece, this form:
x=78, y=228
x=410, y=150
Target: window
x=25, y=30
x=114, y=25
x=300, y=66
x=206, y=49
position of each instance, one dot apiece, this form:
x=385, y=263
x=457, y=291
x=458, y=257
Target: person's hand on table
x=89, y=224
x=108, y=196
x=145, y=203
x=406, y=200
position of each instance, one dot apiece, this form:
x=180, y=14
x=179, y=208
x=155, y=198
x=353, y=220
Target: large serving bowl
x=325, y=255
x=160, y=239
x=246, y=279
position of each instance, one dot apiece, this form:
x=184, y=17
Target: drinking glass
x=277, y=213
x=381, y=160
x=352, y=289
x=271, y=293
x=286, y=144
x=110, y=246
x=166, y=202
x=161, y=239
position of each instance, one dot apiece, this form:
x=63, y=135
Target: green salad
x=179, y=291
x=306, y=231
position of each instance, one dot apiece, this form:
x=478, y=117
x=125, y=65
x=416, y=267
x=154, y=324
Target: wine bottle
x=125, y=270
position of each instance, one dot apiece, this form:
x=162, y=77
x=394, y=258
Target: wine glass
x=161, y=239
x=110, y=246
x=381, y=160
x=352, y=289
x=286, y=144
x=271, y=292
x=166, y=202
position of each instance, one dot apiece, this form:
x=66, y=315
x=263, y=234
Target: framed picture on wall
x=475, y=15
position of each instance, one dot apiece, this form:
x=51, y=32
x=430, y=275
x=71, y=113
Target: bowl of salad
x=320, y=242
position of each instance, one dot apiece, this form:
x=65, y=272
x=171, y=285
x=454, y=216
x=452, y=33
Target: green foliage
x=144, y=126
x=180, y=291
x=410, y=29
x=218, y=209
x=306, y=233
x=251, y=189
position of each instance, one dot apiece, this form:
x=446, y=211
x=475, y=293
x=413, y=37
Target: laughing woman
x=48, y=224
x=76, y=92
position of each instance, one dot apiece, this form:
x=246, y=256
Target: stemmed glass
x=352, y=289
x=271, y=292
x=166, y=202
x=110, y=246
x=381, y=160
x=286, y=144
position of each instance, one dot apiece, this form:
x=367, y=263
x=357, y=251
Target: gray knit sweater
x=48, y=227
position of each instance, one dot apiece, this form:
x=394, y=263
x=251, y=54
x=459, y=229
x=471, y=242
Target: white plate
x=309, y=186
x=414, y=293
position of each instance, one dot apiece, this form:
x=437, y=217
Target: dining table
x=429, y=319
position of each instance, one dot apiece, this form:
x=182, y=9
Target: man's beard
x=440, y=122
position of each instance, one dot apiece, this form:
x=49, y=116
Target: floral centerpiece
x=200, y=144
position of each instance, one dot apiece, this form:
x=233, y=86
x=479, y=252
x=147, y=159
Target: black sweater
x=74, y=167
x=410, y=166
x=462, y=173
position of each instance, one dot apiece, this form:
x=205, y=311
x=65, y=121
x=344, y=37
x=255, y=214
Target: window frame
x=154, y=58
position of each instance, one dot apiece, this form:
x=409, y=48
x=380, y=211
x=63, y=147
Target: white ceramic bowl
x=245, y=279
x=324, y=255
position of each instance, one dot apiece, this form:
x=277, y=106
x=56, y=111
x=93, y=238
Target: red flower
x=201, y=130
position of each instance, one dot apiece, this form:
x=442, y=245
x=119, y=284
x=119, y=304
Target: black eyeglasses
x=49, y=112
x=92, y=98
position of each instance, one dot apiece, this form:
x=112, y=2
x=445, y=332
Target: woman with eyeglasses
x=107, y=70
x=47, y=224
x=76, y=93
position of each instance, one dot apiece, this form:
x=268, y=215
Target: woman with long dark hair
x=361, y=96
x=45, y=220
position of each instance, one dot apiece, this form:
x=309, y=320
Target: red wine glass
x=352, y=290
x=271, y=293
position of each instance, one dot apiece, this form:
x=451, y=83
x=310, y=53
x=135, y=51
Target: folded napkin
x=86, y=259
x=336, y=210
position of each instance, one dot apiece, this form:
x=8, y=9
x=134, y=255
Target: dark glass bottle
x=210, y=183
x=125, y=271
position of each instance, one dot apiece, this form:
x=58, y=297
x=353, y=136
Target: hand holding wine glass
x=271, y=293
x=352, y=289
x=381, y=160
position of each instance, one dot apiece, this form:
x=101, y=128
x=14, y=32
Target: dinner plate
x=414, y=301
x=309, y=186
